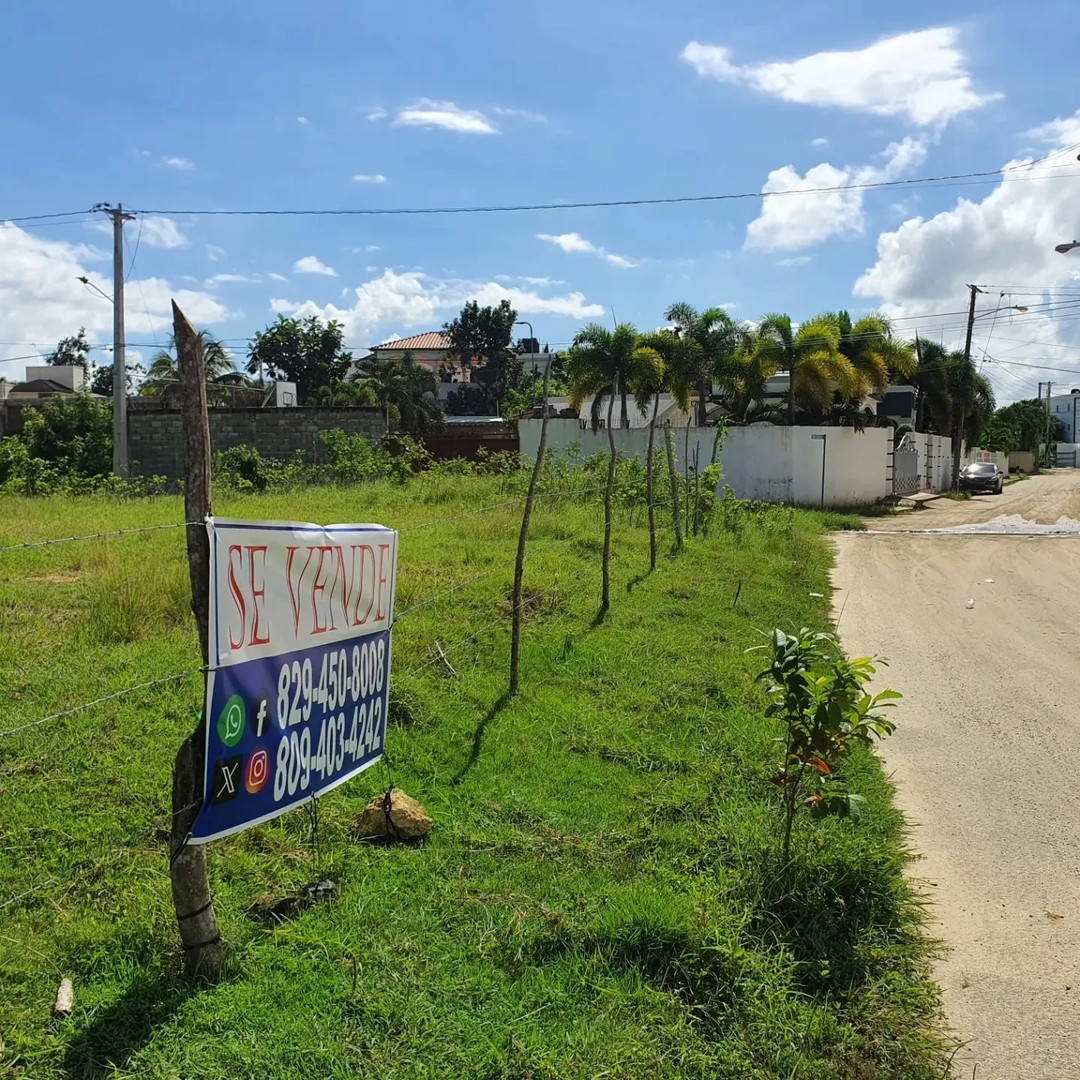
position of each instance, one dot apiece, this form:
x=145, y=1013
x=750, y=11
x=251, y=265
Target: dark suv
x=982, y=477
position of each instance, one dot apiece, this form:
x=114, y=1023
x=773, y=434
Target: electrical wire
x=943, y=180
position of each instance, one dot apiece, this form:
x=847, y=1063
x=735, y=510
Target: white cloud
x=182, y=163
x=303, y=121
x=309, y=264
x=277, y=277
x=574, y=242
x=229, y=279
x=1061, y=132
x=377, y=112
x=796, y=260
x=410, y=299
x=924, y=266
x=43, y=301
x=429, y=113
x=520, y=114
x=369, y=178
x=214, y=253
x=791, y=220
x=161, y=232
x=921, y=76
x=283, y=307
x=569, y=242
x=363, y=249
x=819, y=142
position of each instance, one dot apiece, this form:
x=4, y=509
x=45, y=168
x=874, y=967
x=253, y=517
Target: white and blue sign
x=299, y=686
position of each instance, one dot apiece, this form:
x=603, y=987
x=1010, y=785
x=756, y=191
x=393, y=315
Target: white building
x=1064, y=408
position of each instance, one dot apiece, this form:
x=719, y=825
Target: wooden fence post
x=676, y=517
x=187, y=862
x=523, y=536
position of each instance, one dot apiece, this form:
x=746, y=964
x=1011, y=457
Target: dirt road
x=986, y=758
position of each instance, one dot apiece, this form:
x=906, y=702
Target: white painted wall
x=776, y=464
x=1001, y=460
x=632, y=442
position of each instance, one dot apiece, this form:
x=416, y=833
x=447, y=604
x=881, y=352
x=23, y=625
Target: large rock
x=404, y=819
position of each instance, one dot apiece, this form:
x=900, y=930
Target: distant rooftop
x=430, y=339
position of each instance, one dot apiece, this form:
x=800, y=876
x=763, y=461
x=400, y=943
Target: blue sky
x=276, y=105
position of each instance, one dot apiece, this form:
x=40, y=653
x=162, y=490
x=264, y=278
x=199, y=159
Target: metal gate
x=1066, y=459
x=906, y=467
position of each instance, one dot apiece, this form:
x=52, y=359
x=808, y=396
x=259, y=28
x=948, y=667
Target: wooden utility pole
x=958, y=432
x=187, y=863
x=523, y=536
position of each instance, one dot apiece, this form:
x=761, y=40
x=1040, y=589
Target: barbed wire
x=97, y=535
x=98, y=701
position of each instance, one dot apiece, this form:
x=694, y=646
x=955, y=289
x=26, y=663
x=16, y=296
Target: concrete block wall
x=156, y=442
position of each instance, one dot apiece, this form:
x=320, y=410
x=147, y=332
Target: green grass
x=600, y=896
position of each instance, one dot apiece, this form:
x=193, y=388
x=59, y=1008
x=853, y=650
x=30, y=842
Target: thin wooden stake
x=676, y=516
x=187, y=863
x=649, y=484
x=523, y=536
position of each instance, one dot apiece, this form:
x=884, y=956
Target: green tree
x=71, y=351
x=599, y=362
x=164, y=370
x=1019, y=426
x=74, y=434
x=873, y=352
x=933, y=405
x=480, y=341
x=648, y=378
x=101, y=379
x=718, y=337
x=811, y=356
x=303, y=351
x=406, y=391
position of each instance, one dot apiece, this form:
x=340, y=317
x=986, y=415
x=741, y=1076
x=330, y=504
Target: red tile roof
x=432, y=339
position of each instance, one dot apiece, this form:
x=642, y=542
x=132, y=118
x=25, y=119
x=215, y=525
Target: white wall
x=776, y=464
x=782, y=464
x=1000, y=459
x=632, y=442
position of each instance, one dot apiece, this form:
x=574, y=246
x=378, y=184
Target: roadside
x=985, y=758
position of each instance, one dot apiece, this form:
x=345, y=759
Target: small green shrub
x=819, y=697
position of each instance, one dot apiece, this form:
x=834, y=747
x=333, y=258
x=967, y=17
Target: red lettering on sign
x=365, y=554
x=258, y=593
x=380, y=611
x=237, y=595
x=318, y=587
x=294, y=585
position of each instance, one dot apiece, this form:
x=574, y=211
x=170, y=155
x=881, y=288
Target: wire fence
x=435, y=650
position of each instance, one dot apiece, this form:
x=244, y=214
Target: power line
x=950, y=179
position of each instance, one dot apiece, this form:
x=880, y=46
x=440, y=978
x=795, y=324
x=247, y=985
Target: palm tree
x=718, y=337
x=872, y=350
x=599, y=362
x=933, y=405
x=972, y=400
x=405, y=390
x=164, y=368
x=811, y=355
x=647, y=380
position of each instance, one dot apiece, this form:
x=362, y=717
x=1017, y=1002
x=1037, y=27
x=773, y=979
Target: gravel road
x=986, y=758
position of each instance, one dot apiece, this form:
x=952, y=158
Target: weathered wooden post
x=676, y=517
x=187, y=862
x=523, y=536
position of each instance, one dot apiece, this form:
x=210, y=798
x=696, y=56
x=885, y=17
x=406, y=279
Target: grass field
x=601, y=895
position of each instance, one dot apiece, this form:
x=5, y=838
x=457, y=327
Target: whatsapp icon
x=231, y=722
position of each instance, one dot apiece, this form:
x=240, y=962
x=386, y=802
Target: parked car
x=982, y=476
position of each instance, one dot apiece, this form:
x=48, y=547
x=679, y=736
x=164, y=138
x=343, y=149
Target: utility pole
x=119, y=402
x=958, y=434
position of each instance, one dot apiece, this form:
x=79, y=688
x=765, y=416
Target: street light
x=89, y=284
x=1064, y=249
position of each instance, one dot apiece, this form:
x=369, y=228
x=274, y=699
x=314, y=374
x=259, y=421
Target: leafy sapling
x=821, y=699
